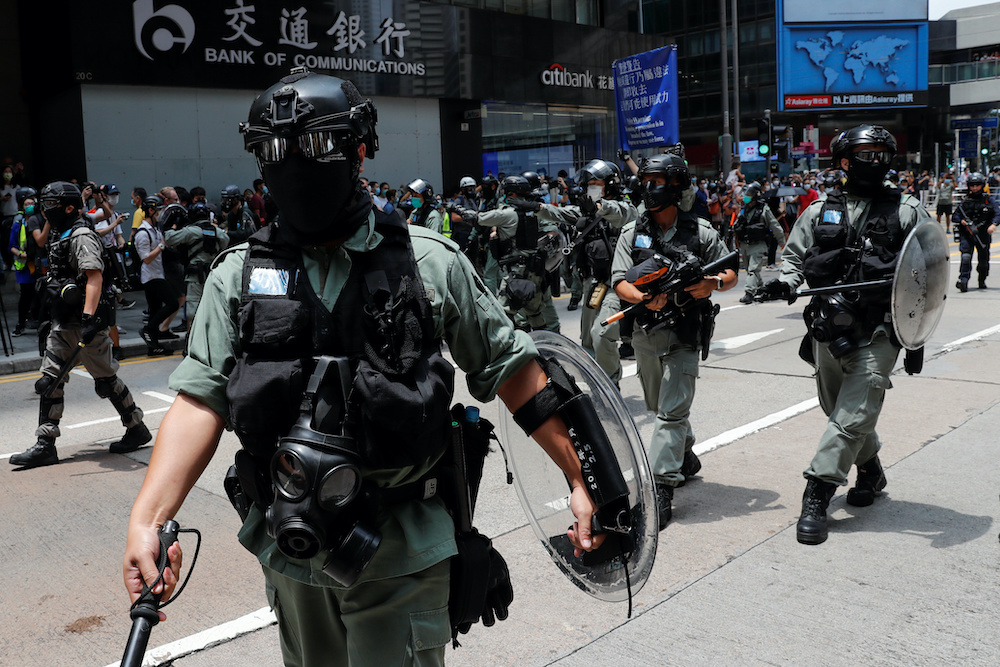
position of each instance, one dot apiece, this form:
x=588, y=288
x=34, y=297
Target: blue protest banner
x=646, y=98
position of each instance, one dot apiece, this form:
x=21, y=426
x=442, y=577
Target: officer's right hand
x=773, y=290
x=141, y=550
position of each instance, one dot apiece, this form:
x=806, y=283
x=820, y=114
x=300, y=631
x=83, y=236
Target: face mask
x=310, y=216
x=56, y=217
x=658, y=197
x=29, y=209
x=866, y=178
x=113, y=200
x=415, y=202
x=378, y=192
x=266, y=190
x=746, y=199
x=595, y=192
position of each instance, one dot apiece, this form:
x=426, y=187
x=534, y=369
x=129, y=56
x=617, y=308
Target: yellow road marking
x=34, y=375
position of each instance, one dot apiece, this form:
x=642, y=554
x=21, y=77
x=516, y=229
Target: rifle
x=972, y=233
x=665, y=275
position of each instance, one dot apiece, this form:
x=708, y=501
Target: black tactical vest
x=401, y=390
x=751, y=226
x=526, y=236
x=840, y=253
x=979, y=212
x=65, y=284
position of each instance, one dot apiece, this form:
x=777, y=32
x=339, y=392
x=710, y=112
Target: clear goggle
x=322, y=145
x=883, y=157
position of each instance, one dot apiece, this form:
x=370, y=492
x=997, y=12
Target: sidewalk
x=24, y=357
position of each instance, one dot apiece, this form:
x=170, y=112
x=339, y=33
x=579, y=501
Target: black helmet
x=534, y=183
x=22, y=193
x=753, y=191
x=601, y=170
x=174, y=216
x=231, y=195
x=975, y=179
x=60, y=194
x=152, y=201
x=199, y=212
x=516, y=185
x=321, y=113
x=844, y=143
x=671, y=167
x=422, y=188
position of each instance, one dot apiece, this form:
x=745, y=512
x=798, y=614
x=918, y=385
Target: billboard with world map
x=852, y=66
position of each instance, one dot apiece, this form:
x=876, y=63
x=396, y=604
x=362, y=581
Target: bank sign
x=235, y=41
x=646, y=99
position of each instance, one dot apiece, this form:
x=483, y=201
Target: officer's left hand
x=991, y=229
x=703, y=289
x=579, y=534
x=88, y=328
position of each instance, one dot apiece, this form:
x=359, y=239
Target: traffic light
x=781, y=142
x=764, y=137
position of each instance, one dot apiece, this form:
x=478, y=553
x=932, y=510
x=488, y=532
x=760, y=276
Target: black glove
x=587, y=206
x=88, y=328
x=525, y=205
x=500, y=594
x=452, y=207
x=774, y=290
x=623, y=155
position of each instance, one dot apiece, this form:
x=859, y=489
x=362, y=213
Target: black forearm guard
x=599, y=465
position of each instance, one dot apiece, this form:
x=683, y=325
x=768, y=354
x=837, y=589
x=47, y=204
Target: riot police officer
x=850, y=236
x=667, y=355
x=425, y=212
x=238, y=221
x=520, y=242
x=974, y=221
x=756, y=221
x=79, y=308
x=597, y=219
x=199, y=241
x=323, y=293
x=468, y=197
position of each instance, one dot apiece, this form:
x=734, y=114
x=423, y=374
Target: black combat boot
x=134, y=438
x=962, y=286
x=664, y=500
x=982, y=282
x=42, y=453
x=690, y=466
x=746, y=298
x=870, y=482
x=626, y=351
x=574, y=303
x=812, y=524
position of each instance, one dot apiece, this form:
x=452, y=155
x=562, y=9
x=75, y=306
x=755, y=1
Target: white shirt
x=8, y=208
x=145, y=241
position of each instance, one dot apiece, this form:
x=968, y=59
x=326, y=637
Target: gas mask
x=316, y=476
x=660, y=196
x=867, y=171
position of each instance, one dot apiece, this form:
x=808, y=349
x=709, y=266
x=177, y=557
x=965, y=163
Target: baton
x=64, y=370
x=866, y=286
x=144, y=611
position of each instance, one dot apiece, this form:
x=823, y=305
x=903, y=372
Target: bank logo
x=167, y=29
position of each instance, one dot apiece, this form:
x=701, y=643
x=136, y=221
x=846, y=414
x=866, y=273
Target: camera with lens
x=316, y=475
x=832, y=319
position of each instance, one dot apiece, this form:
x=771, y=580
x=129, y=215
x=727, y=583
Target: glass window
x=563, y=10
x=538, y=8
x=748, y=32
x=695, y=44
x=765, y=31
x=515, y=6
x=586, y=12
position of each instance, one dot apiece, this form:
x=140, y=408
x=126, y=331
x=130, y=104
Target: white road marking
x=152, y=394
x=955, y=344
x=734, y=434
x=739, y=341
x=219, y=634
x=82, y=373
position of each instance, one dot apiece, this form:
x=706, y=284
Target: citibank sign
x=557, y=75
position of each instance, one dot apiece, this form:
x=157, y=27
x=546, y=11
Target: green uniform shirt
x=618, y=213
x=434, y=221
x=480, y=337
x=505, y=219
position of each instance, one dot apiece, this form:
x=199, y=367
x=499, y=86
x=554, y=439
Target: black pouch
x=520, y=292
x=599, y=256
x=822, y=268
x=403, y=418
x=275, y=327
x=278, y=384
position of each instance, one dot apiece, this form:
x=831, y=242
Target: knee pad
x=43, y=383
x=105, y=386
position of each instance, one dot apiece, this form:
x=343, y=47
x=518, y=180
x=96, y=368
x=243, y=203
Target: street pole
x=770, y=138
x=937, y=159
x=956, y=156
x=979, y=147
x=727, y=139
x=736, y=75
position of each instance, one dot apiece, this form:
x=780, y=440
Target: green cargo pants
x=851, y=390
x=399, y=621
